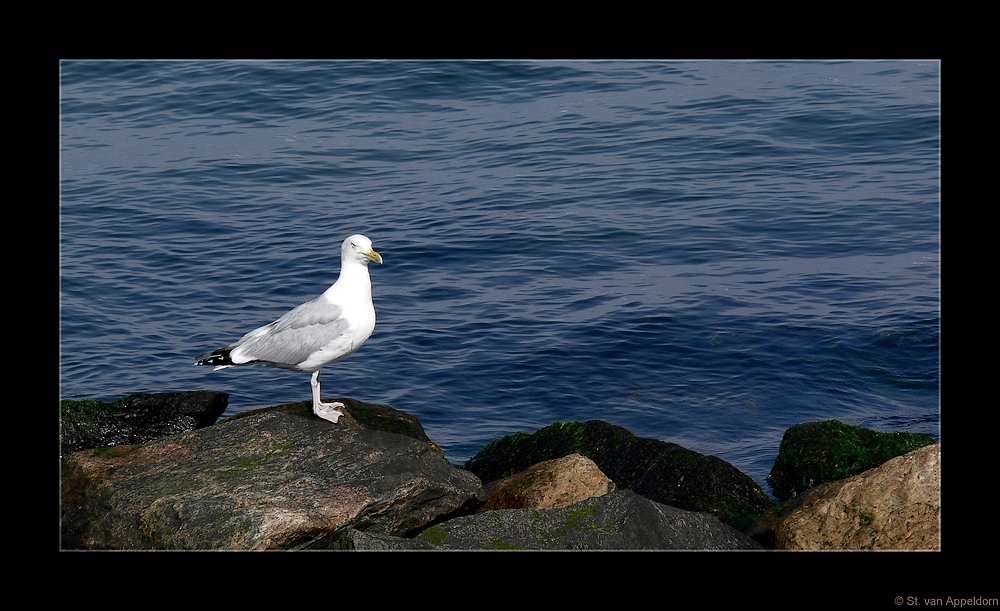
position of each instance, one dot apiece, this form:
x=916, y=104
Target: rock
x=136, y=418
x=362, y=541
x=895, y=506
x=362, y=416
x=814, y=453
x=619, y=520
x=280, y=478
x=660, y=471
x=277, y=478
x=551, y=484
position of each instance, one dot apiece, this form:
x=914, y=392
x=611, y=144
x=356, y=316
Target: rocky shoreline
x=157, y=471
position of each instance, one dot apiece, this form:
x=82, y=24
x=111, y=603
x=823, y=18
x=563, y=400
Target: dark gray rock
x=658, y=470
x=371, y=542
x=619, y=520
x=136, y=418
x=274, y=479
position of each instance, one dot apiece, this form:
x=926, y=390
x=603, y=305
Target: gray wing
x=292, y=338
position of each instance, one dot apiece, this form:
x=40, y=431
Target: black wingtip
x=216, y=359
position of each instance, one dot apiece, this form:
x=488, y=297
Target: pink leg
x=326, y=411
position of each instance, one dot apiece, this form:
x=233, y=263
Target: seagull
x=316, y=333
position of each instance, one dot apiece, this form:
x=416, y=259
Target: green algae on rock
x=136, y=418
x=660, y=471
x=815, y=453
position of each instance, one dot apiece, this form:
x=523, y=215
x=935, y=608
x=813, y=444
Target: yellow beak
x=374, y=256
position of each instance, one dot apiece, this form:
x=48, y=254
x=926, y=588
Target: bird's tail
x=219, y=358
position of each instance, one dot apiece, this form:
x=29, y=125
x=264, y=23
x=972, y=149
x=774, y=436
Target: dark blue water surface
x=702, y=252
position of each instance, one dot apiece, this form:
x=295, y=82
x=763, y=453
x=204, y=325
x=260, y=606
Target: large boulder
x=660, y=471
x=278, y=478
x=895, y=506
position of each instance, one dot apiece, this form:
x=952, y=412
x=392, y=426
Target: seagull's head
x=359, y=248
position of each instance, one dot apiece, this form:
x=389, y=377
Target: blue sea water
x=701, y=252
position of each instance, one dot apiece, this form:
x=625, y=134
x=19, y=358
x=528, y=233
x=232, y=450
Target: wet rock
x=136, y=418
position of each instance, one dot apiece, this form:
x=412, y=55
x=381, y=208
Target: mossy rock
x=660, y=471
x=136, y=418
x=815, y=453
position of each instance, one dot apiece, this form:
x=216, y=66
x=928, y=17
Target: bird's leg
x=326, y=411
